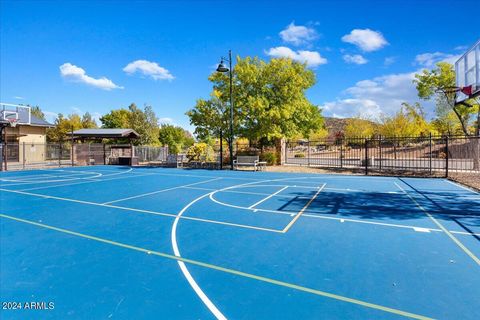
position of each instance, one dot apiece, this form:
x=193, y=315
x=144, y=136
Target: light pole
x=221, y=68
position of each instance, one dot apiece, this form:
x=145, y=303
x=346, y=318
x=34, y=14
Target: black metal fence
x=430, y=155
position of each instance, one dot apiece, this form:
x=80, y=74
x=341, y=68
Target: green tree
x=37, y=112
x=144, y=122
x=211, y=118
x=176, y=138
x=269, y=101
x=63, y=126
x=88, y=121
x=409, y=121
x=118, y=118
x=358, y=127
x=433, y=83
x=447, y=124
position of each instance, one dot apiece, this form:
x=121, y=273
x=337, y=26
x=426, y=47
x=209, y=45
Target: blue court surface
x=107, y=242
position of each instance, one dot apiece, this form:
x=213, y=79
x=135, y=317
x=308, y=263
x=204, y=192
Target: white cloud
x=50, y=116
x=298, y=35
x=19, y=98
x=389, y=60
x=461, y=48
x=96, y=116
x=148, y=68
x=311, y=58
x=430, y=59
x=77, y=110
x=77, y=74
x=366, y=39
x=373, y=97
x=356, y=59
x=165, y=120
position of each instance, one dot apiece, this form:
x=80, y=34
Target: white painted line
x=303, y=209
x=159, y=191
x=83, y=182
x=253, y=193
x=463, y=187
x=328, y=217
x=61, y=179
x=142, y=211
x=213, y=309
x=448, y=233
x=417, y=229
x=266, y=198
x=217, y=313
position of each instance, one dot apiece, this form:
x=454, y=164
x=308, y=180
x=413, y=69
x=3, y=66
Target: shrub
x=299, y=155
x=269, y=157
x=200, y=152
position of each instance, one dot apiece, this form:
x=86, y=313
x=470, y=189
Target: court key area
x=113, y=242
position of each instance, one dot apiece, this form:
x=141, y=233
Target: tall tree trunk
x=462, y=122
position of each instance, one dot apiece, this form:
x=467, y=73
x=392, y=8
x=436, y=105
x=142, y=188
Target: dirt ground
x=469, y=179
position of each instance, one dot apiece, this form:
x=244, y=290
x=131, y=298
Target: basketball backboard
x=467, y=70
x=13, y=111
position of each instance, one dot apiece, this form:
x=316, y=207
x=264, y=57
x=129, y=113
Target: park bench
x=249, y=161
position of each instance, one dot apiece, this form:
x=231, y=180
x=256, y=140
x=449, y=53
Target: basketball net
x=13, y=122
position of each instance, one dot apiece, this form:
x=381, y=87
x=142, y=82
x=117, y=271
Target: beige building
x=27, y=141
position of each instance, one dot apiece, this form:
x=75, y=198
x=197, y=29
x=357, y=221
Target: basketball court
x=105, y=242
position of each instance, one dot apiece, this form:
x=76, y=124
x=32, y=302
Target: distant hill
x=335, y=125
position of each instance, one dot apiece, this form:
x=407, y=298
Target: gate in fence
x=426, y=156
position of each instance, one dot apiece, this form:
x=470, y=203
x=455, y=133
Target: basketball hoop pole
x=3, y=130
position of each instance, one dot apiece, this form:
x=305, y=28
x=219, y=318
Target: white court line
x=103, y=174
x=160, y=191
x=36, y=178
x=463, y=187
x=316, y=216
x=217, y=313
x=266, y=198
x=83, y=182
x=451, y=236
x=303, y=209
x=137, y=173
x=142, y=211
x=253, y=193
x=320, y=216
x=62, y=178
x=213, y=309
x=364, y=191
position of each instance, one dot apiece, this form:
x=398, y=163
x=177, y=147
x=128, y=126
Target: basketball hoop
x=13, y=122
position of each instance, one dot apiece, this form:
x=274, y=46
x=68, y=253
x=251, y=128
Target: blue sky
x=73, y=56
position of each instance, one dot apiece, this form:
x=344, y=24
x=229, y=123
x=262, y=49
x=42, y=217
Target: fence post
x=380, y=156
x=430, y=153
x=5, y=155
x=104, y=154
x=221, y=150
x=341, y=152
x=23, y=155
x=131, y=153
x=395, y=149
x=59, y=154
x=73, y=153
x=446, y=157
x=366, y=156
x=308, y=154
x=286, y=151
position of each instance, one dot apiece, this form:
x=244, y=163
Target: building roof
x=37, y=122
x=105, y=133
